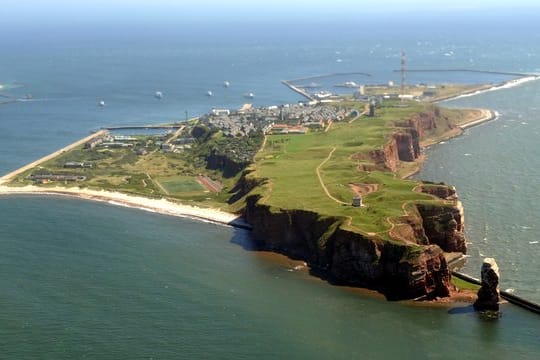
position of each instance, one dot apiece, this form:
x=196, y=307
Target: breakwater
x=141, y=127
x=300, y=90
x=322, y=76
x=492, y=72
x=511, y=298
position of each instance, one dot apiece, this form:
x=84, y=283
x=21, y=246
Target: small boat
x=101, y=103
x=226, y=84
x=249, y=95
x=158, y=95
x=321, y=95
x=209, y=93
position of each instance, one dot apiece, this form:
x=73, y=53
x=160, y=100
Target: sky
x=23, y=12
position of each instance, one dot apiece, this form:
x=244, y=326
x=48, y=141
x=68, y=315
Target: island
x=324, y=181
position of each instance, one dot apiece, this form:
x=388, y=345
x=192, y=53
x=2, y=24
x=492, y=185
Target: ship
x=321, y=95
x=226, y=84
x=158, y=95
x=209, y=93
x=249, y=95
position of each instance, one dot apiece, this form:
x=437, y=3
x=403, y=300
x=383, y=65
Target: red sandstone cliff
x=412, y=266
x=404, y=145
x=399, y=270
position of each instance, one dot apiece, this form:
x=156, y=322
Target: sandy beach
x=161, y=206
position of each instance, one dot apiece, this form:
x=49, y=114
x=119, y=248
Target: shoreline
x=504, y=85
x=160, y=206
x=486, y=115
x=207, y=215
x=216, y=216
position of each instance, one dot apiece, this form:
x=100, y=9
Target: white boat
x=158, y=95
x=226, y=84
x=101, y=103
x=209, y=93
x=249, y=95
x=322, y=95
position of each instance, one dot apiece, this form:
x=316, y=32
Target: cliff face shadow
x=243, y=238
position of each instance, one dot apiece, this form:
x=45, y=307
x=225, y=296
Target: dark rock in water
x=488, y=295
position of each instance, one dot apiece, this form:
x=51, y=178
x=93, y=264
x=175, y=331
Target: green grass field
x=290, y=162
x=319, y=171
x=180, y=184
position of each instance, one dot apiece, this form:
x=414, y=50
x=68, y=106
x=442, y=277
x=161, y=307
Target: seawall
x=511, y=298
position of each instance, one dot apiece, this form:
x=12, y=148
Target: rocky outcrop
x=399, y=270
x=488, y=294
x=408, y=144
x=422, y=122
x=441, y=190
x=410, y=266
x=404, y=145
x=388, y=157
x=224, y=163
x=244, y=185
x=444, y=226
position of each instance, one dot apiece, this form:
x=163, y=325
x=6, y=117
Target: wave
x=505, y=85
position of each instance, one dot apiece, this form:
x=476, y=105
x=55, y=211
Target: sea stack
x=488, y=295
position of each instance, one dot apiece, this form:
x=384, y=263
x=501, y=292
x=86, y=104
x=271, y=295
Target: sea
x=80, y=279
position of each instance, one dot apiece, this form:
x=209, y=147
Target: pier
x=298, y=90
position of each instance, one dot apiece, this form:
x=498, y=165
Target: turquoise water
x=88, y=280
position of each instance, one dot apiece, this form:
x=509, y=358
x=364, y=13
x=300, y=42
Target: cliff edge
x=297, y=197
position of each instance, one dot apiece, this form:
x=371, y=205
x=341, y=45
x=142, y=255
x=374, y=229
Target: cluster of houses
x=110, y=141
x=46, y=178
x=285, y=119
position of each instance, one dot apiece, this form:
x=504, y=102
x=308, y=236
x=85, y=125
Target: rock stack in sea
x=488, y=295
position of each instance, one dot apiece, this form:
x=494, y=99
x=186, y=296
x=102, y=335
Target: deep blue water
x=89, y=280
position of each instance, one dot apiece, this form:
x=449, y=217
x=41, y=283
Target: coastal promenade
x=486, y=115
x=8, y=177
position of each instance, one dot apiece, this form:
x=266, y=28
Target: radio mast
x=403, y=74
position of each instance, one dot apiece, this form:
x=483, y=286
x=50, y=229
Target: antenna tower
x=403, y=74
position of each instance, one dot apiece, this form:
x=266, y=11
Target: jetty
x=298, y=90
